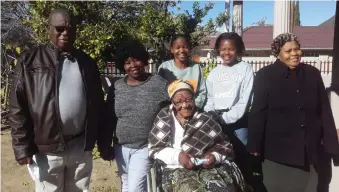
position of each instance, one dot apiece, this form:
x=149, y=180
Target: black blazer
x=291, y=121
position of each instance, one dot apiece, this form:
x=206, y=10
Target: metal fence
x=111, y=70
x=324, y=66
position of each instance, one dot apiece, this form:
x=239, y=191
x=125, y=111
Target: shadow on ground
x=16, y=178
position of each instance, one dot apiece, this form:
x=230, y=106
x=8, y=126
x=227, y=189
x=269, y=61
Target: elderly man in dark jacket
x=55, y=105
x=291, y=124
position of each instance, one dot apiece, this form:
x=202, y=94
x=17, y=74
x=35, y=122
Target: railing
x=323, y=63
x=111, y=70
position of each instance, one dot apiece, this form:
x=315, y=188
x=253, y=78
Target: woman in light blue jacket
x=229, y=85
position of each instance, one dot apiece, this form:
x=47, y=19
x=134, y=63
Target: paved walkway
x=334, y=186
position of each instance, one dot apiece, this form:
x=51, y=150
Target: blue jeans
x=133, y=166
x=242, y=134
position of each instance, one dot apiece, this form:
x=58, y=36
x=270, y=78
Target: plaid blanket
x=202, y=135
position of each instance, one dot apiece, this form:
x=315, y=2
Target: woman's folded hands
x=185, y=160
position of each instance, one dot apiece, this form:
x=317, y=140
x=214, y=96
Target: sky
x=312, y=13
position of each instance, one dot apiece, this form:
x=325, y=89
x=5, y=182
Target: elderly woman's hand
x=211, y=161
x=185, y=160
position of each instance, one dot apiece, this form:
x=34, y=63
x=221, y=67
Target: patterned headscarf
x=178, y=85
x=280, y=41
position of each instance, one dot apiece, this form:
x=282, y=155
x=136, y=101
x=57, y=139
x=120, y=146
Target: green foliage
x=3, y=95
x=95, y=153
x=7, y=67
x=208, y=68
x=14, y=38
x=13, y=31
x=191, y=24
x=155, y=28
x=102, y=25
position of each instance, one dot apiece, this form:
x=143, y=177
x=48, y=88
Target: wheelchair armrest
x=155, y=176
x=158, y=167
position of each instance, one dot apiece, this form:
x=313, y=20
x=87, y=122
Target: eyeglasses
x=61, y=29
x=180, y=102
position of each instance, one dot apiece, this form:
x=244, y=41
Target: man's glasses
x=61, y=29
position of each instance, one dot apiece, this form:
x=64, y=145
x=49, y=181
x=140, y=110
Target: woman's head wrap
x=280, y=41
x=178, y=85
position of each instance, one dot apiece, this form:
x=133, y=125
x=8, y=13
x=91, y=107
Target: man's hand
x=211, y=161
x=185, y=160
x=25, y=161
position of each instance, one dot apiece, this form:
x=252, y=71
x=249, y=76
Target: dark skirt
x=283, y=178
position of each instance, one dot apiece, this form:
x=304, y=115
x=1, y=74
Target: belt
x=68, y=138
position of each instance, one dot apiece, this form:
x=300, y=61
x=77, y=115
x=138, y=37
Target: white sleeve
x=218, y=157
x=168, y=155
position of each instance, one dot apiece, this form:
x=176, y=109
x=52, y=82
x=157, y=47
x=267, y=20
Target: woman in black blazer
x=291, y=126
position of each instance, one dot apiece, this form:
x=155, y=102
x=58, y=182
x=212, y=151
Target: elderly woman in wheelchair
x=194, y=153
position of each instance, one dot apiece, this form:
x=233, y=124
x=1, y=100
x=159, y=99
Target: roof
x=311, y=37
x=328, y=23
x=260, y=37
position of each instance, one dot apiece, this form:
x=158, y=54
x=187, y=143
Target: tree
x=101, y=24
x=261, y=22
x=14, y=37
x=13, y=32
x=296, y=14
x=157, y=26
x=190, y=24
x=105, y=24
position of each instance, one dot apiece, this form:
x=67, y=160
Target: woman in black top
x=291, y=125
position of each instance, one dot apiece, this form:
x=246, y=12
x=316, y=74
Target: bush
x=95, y=153
x=208, y=68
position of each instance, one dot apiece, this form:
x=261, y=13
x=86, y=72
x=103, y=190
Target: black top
x=291, y=120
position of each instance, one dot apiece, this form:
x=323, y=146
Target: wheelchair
x=153, y=178
x=249, y=165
